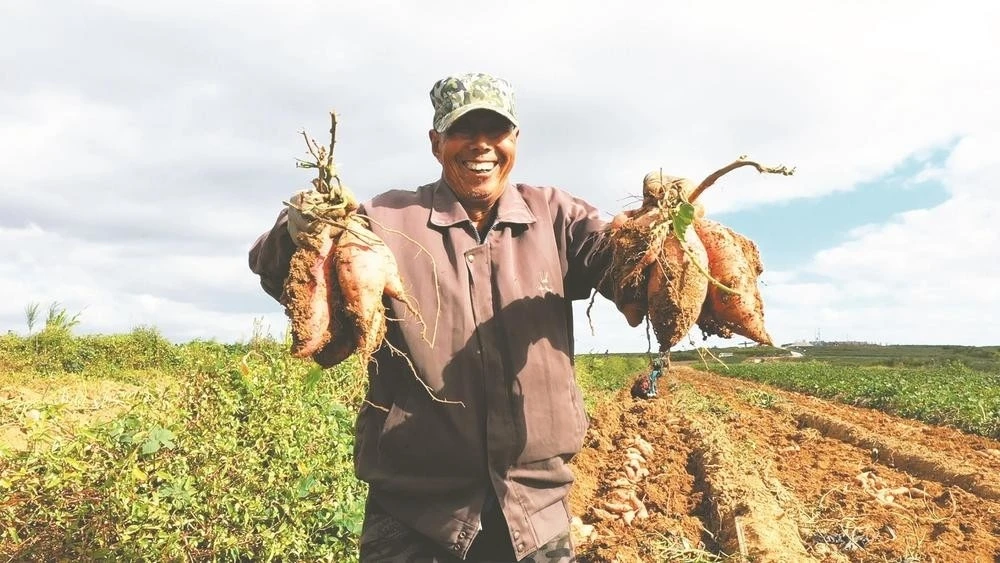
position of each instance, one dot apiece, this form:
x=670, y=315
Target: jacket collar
x=447, y=211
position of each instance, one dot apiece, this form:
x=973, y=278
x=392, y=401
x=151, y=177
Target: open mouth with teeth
x=479, y=167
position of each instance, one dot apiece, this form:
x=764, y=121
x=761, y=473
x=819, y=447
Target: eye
x=463, y=130
x=492, y=128
x=499, y=129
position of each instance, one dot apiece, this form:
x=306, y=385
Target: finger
x=293, y=228
x=619, y=220
x=299, y=195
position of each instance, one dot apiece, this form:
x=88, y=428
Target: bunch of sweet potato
x=695, y=270
x=339, y=272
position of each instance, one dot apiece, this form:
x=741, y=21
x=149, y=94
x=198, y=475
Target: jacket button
x=520, y=547
x=457, y=547
x=470, y=258
x=517, y=536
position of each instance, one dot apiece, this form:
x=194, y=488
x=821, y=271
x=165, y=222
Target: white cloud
x=49, y=137
x=149, y=144
x=928, y=276
x=114, y=289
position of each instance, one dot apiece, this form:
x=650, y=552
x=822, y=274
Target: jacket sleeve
x=589, y=254
x=270, y=256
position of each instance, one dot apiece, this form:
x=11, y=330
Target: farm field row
x=220, y=452
x=744, y=471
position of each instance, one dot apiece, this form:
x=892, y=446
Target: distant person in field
x=645, y=387
x=486, y=480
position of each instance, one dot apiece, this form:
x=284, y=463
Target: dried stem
x=739, y=162
x=333, y=134
x=323, y=162
x=310, y=144
x=333, y=142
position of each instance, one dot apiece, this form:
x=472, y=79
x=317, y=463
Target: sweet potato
x=648, y=255
x=735, y=262
x=339, y=272
x=733, y=304
x=676, y=289
x=662, y=247
x=340, y=347
x=313, y=299
x=367, y=270
x=307, y=291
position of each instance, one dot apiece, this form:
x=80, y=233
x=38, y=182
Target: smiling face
x=476, y=154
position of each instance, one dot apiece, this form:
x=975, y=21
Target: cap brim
x=454, y=116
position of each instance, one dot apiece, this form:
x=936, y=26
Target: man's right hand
x=297, y=222
x=634, y=309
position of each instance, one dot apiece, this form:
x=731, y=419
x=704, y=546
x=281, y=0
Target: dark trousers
x=387, y=540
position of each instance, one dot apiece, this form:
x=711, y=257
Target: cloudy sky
x=145, y=145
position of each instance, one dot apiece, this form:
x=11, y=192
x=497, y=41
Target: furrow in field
x=888, y=451
x=625, y=434
x=902, y=503
x=746, y=514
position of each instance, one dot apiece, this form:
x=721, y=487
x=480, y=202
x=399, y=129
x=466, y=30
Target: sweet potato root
x=664, y=247
x=676, y=289
x=735, y=262
x=339, y=273
x=733, y=304
x=367, y=270
x=307, y=293
x=648, y=254
x=342, y=343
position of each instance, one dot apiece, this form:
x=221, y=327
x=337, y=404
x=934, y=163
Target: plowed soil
x=740, y=471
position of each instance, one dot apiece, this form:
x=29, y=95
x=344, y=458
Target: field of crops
x=952, y=395
x=128, y=447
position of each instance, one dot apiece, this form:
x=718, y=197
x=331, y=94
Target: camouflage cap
x=454, y=96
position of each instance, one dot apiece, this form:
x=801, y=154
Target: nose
x=480, y=141
x=480, y=138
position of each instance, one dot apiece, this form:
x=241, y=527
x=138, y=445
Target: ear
x=435, y=138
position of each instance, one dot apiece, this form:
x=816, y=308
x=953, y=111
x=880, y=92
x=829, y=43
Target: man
x=644, y=386
x=654, y=374
x=487, y=479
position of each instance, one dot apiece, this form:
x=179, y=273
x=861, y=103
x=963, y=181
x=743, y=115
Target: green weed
x=759, y=398
x=244, y=453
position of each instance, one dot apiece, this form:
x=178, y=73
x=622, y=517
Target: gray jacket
x=500, y=314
